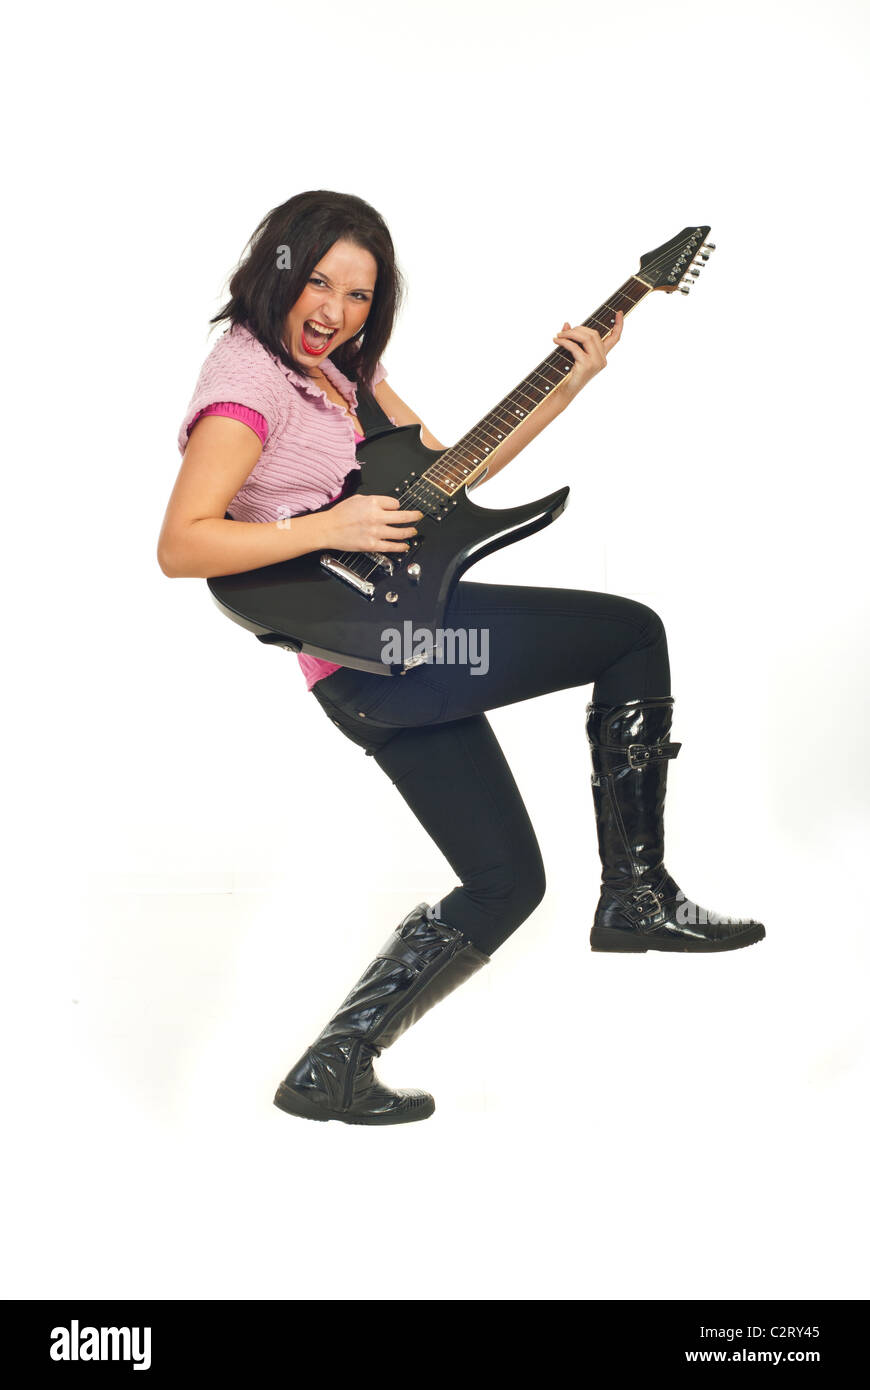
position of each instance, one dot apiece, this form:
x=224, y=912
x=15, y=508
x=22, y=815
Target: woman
x=270, y=434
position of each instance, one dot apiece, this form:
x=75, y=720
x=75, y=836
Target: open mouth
x=315, y=337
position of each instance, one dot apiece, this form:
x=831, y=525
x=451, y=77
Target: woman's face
x=336, y=300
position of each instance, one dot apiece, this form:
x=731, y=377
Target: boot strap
x=401, y=950
x=640, y=754
x=647, y=906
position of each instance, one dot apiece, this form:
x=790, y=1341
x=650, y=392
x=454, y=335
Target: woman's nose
x=330, y=308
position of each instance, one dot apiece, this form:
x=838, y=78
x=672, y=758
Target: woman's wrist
x=322, y=531
x=316, y=528
x=565, y=393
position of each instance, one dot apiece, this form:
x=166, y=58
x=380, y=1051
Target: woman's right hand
x=368, y=522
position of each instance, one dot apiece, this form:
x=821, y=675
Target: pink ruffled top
x=308, y=441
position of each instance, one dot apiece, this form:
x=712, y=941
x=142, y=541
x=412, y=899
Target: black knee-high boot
x=423, y=960
x=641, y=908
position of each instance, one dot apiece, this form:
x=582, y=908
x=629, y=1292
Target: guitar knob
x=413, y=572
x=392, y=596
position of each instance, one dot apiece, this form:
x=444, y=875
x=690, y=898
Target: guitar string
x=446, y=470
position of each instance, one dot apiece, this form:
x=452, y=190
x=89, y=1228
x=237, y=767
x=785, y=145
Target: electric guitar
x=340, y=606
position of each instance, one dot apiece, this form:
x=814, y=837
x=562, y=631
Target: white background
x=200, y=865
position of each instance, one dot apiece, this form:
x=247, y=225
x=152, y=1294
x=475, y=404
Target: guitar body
x=300, y=605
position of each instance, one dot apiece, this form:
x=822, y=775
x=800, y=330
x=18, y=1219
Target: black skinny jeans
x=428, y=732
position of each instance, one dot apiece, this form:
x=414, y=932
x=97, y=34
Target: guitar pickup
x=426, y=497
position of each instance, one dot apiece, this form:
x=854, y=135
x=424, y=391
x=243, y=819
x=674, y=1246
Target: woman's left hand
x=589, y=351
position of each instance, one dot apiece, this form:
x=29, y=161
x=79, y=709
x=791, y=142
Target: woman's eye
x=357, y=294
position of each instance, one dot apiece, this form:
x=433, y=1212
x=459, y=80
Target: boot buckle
x=639, y=754
x=655, y=913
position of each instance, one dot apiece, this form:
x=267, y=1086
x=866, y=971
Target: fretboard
x=467, y=459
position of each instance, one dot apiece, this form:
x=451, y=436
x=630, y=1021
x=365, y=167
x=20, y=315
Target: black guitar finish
x=342, y=607
x=300, y=605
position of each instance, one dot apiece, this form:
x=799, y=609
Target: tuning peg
x=709, y=246
x=693, y=271
x=684, y=289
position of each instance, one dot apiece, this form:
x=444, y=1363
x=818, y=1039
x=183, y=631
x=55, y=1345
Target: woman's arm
x=402, y=413
x=196, y=541
x=590, y=355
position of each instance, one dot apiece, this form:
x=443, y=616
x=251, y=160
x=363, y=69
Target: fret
x=551, y=380
x=490, y=433
x=496, y=424
x=532, y=393
x=480, y=453
x=459, y=471
x=490, y=428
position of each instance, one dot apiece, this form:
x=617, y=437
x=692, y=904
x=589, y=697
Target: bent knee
x=648, y=622
x=513, y=889
x=532, y=887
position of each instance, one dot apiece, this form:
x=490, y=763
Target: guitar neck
x=469, y=458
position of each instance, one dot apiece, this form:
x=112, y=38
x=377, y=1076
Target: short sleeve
x=239, y=374
x=252, y=418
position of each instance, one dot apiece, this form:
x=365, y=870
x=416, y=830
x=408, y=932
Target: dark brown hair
x=262, y=293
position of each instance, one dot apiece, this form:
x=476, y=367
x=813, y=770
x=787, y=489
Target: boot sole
x=609, y=939
x=293, y=1104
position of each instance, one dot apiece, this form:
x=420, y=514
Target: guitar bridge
x=349, y=575
x=356, y=581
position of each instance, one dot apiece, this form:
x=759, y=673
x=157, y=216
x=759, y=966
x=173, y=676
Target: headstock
x=665, y=268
